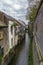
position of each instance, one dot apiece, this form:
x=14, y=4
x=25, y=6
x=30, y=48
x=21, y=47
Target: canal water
x=22, y=57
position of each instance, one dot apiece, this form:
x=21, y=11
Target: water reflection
x=22, y=54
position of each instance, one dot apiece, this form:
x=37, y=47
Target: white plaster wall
x=9, y=30
x=11, y=36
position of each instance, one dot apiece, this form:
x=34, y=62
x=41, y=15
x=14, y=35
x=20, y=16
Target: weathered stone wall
x=38, y=28
x=1, y=16
x=4, y=42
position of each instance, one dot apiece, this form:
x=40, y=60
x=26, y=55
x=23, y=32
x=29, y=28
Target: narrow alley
x=23, y=55
x=21, y=32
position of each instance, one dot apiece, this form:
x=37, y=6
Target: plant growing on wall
x=31, y=17
x=15, y=24
x=33, y=13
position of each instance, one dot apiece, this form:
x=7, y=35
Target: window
x=1, y=35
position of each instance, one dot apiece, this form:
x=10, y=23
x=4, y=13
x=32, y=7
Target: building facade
x=7, y=33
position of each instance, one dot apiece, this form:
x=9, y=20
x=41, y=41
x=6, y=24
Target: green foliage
x=15, y=24
x=11, y=50
x=32, y=17
x=1, y=57
x=33, y=14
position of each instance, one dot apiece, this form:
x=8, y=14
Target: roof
x=10, y=18
x=22, y=22
x=2, y=24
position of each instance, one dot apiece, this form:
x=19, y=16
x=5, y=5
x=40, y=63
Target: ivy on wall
x=33, y=14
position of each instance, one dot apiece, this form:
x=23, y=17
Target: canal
x=22, y=53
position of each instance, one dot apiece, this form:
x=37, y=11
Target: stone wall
x=1, y=16
x=4, y=43
x=38, y=29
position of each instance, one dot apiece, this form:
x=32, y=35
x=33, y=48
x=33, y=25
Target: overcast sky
x=15, y=8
